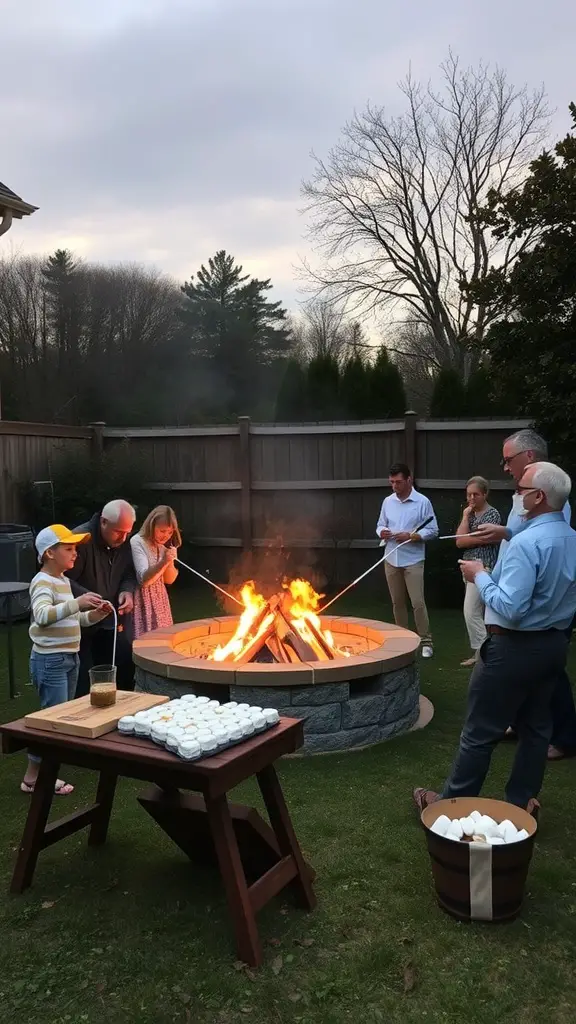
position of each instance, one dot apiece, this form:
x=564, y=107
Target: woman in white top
x=154, y=549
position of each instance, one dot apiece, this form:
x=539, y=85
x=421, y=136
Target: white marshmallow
x=475, y=815
x=485, y=822
x=259, y=722
x=202, y=700
x=190, y=750
x=159, y=732
x=142, y=728
x=468, y=826
x=126, y=724
x=271, y=715
x=450, y=835
x=231, y=704
x=235, y=733
x=508, y=831
x=495, y=841
x=455, y=829
x=522, y=834
x=243, y=707
x=188, y=698
x=441, y=825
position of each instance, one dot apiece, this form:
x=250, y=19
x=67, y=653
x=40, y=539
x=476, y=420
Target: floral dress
x=485, y=553
x=151, y=603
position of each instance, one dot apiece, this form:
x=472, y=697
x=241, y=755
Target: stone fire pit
x=348, y=702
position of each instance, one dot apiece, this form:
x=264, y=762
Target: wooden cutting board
x=79, y=718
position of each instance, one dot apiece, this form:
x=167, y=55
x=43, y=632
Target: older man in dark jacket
x=104, y=565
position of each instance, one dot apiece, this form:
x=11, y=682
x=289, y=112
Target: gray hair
x=555, y=483
x=114, y=510
x=529, y=441
x=480, y=482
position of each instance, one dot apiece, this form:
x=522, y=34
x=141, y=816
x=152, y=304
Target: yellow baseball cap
x=58, y=534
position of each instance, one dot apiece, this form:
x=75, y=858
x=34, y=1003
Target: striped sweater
x=55, y=618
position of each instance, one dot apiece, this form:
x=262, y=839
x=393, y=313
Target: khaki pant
x=409, y=578
x=474, y=616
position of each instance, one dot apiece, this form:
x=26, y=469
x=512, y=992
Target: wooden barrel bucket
x=486, y=883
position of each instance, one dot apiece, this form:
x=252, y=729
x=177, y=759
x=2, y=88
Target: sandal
x=61, y=788
x=423, y=797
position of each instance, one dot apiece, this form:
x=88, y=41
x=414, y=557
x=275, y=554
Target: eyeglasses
x=527, y=490
x=506, y=462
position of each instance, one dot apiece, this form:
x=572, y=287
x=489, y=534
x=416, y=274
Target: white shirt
x=405, y=517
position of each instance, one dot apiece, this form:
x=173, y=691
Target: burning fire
x=287, y=625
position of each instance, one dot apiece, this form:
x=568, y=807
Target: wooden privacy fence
x=315, y=485
x=242, y=485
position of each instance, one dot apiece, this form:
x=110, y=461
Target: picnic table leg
x=104, y=799
x=31, y=844
x=282, y=825
x=232, y=871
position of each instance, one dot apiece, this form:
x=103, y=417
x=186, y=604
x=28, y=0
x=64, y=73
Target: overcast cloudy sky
x=158, y=131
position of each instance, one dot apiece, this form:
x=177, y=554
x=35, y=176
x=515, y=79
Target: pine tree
x=292, y=401
x=355, y=388
x=386, y=393
x=449, y=396
x=323, y=387
x=479, y=399
x=231, y=324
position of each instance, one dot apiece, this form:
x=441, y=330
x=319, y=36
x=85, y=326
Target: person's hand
x=470, y=569
x=489, y=533
x=125, y=603
x=105, y=609
x=401, y=537
x=86, y=602
x=385, y=534
x=169, y=555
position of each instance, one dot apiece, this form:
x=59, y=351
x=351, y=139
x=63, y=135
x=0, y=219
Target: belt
x=494, y=630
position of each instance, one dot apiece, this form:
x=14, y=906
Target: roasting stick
x=206, y=580
x=375, y=566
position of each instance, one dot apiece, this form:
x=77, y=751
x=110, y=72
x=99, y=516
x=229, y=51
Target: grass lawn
x=130, y=933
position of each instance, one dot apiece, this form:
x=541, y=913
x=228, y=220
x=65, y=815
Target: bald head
x=117, y=522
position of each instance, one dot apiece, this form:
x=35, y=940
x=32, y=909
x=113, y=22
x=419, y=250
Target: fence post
x=97, y=439
x=410, y=446
x=245, y=481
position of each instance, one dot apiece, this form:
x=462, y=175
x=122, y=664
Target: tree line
x=447, y=224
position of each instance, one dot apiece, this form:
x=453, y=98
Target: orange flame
x=300, y=606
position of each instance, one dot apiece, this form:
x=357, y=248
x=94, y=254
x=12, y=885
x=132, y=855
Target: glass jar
x=102, y=686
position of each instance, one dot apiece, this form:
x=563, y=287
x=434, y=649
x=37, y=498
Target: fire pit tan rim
x=155, y=652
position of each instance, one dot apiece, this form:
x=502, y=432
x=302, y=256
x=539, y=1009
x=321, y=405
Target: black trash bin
x=18, y=564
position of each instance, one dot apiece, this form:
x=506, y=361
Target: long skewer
x=206, y=580
x=375, y=566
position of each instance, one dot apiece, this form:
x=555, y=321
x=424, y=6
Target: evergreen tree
x=355, y=388
x=449, y=396
x=230, y=323
x=479, y=399
x=323, y=387
x=386, y=393
x=292, y=401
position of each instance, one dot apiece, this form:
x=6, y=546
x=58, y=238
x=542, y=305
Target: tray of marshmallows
x=478, y=828
x=197, y=727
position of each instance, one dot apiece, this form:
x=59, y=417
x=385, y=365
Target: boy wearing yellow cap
x=55, y=621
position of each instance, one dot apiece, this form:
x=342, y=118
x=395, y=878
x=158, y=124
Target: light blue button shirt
x=404, y=517
x=533, y=586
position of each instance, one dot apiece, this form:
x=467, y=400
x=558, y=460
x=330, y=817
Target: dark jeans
x=96, y=649
x=563, y=711
x=513, y=681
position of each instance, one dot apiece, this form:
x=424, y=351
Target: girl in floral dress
x=154, y=549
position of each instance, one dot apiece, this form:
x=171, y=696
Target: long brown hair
x=161, y=514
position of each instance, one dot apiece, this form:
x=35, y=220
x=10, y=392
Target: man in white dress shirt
x=400, y=516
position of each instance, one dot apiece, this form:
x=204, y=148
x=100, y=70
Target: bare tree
x=395, y=207
x=324, y=329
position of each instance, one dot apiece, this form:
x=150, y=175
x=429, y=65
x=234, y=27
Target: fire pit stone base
x=362, y=702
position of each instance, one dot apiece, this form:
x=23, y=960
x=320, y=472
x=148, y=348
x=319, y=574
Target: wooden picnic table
x=189, y=802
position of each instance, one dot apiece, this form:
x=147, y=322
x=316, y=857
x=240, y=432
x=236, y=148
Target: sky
x=159, y=131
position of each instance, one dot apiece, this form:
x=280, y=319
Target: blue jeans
x=55, y=677
x=514, y=681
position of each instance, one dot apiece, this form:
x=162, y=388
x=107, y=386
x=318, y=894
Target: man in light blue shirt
x=401, y=514
x=519, y=451
x=530, y=602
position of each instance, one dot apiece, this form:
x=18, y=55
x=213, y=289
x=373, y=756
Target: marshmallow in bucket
x=478, y=828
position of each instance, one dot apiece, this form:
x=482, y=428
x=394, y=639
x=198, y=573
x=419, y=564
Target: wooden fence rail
x=242, y=485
